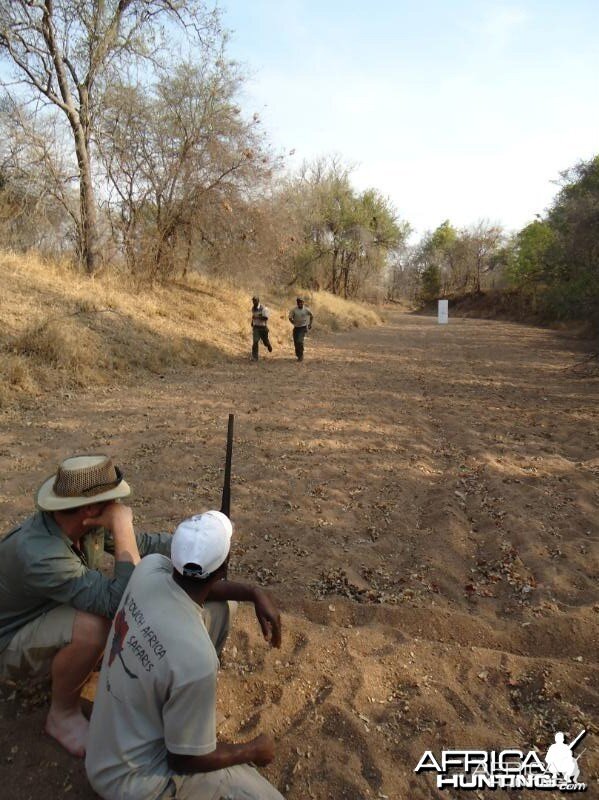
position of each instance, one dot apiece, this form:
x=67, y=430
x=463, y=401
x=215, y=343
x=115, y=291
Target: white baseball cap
x=201, y=544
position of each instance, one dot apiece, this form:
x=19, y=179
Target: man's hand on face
x=115, y=517
x=269, y=618
x=118, y=519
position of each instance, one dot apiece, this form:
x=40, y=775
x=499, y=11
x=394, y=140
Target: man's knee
x=217, y=619
x=90, y=630
x=32, y=649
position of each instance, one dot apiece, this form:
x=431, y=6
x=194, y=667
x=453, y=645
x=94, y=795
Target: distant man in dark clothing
x=301, y=318
x=259, y=327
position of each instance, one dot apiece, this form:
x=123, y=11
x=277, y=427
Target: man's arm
x=61, y=576
x=54, y=571
x=311, y=318
x=118, y=519
x=154, y=543
x=266, y=611
x=259, y=751
x=232, y=590
x=189, y=718
x=146, y=543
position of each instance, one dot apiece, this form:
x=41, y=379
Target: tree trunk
x=334, y=271
x=89, y=220
x=188, y=242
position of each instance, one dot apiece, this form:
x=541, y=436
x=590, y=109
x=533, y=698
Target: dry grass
x=60, y=329
x=62, y=345
x=335, y=314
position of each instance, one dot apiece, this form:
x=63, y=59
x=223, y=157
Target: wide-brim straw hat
x=80, y=481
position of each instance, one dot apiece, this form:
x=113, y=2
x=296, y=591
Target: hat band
x=99, y=488
x=71, y=483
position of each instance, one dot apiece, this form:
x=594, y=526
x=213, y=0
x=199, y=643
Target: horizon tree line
x=127, y=155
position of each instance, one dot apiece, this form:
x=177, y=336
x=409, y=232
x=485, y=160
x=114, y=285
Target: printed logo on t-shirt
x=141, y=647
x=118, y=640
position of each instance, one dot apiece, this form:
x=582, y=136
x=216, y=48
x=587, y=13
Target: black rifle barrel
x=225, y=506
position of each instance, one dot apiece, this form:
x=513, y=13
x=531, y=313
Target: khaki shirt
x=40, y=569
x=156, y=691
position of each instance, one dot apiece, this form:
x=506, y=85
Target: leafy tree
x=573, y=261
x=430, y=283
x=348, y=236
x=449, y=261
x=443, y=238
x=533, y=245
x=557, y=258
x=439, y=251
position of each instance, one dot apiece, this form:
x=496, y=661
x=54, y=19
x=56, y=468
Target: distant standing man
x=301, y=317
x=153, y=727
x=259, y=327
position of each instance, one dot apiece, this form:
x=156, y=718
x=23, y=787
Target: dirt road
x=422, y=502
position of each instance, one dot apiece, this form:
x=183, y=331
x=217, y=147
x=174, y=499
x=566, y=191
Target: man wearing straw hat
x=153, y=727
x=55, y=605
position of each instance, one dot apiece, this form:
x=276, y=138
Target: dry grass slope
x=63, y=330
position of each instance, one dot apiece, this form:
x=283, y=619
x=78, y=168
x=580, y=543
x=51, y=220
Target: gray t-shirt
x=157, y=688
x=300, y=316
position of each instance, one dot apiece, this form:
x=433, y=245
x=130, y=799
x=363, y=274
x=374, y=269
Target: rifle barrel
x=575, y=741
x=225, y=506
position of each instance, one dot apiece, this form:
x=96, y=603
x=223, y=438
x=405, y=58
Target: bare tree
x=178, y=158
x=481, y=243
x=62, y=50
x=39, y=205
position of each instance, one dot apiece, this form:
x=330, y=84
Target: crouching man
x=153, y=727
x=55, y=604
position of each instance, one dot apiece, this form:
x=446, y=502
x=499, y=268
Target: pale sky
x=460, y=110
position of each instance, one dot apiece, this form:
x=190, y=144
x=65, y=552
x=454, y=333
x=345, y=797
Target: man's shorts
x=235, y=783
x=31, y=650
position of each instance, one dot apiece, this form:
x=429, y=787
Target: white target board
x=443, y=313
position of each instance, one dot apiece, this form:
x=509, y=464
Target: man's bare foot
x=69, y=729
